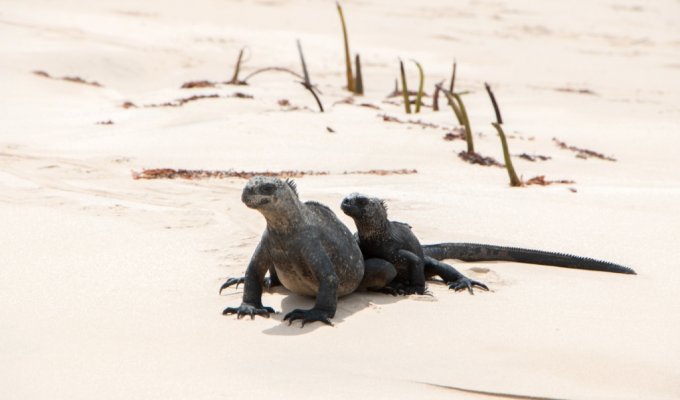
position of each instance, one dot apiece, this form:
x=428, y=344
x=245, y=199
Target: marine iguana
x=310, y=251
x=395, y=242
x=472, y=251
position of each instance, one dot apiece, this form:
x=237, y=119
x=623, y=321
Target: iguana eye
x=362, y=201
x=267, y=188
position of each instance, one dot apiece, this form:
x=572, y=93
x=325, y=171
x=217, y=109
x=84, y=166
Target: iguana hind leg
x=451, y=276
x=378, y=273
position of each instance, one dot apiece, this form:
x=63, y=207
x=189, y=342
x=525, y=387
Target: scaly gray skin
x=395, y=242
x=309, y=251
x=487, y=252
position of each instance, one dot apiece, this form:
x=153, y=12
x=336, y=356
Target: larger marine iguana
x=311, y=251
x=394, y=241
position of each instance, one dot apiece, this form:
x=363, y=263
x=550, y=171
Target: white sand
x=109, y=285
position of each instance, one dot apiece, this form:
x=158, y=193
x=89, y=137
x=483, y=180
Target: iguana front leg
x=252, y=285
x=321, y=267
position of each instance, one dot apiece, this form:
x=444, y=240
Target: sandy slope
x=109, y=285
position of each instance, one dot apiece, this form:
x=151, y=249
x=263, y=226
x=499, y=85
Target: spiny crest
x=292, y=185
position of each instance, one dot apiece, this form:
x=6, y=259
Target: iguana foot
x=467, y=283
x=232, y=281
x=248, y=309
x=414, y=289
x=309, y=316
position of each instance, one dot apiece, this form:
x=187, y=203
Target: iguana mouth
x=255, y=201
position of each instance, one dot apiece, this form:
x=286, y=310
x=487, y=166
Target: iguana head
x=361, y=207
x=264, y=193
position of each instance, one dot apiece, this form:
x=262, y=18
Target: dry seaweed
x=577, y=91
x=73, y=79
x=108, y=122
x=199, y=84
x=540, y=180
x=582, y=153
x=383, y=172
x=239, y=95
x=534, y=157
x=422, y=124
x=476, y=158
x=456, y=134
x=170, y=173
x=183, y=101
x=128, y=104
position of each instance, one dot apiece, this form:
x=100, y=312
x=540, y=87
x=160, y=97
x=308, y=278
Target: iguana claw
x=232, y=281
x=248, y=309
x=466, y=283
x=308, y=316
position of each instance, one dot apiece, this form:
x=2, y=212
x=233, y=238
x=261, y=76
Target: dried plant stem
x=348, y=62
x=435, y=96
x=466, y=123
x=514, y=180
x=452, y=103
x=453, y=77
x=421, y=84
x=499, y=119
x=306, y=83
x=234, y=79
x=359, y=82
x=404, y=88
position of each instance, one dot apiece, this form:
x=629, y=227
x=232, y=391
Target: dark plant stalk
x=359, y=82
x=435, y=98
x=404, y=88
x=499, y=120
x=305, y=73
x=306, y=81
x=466, y=123
x=514, y=180
x=234, y=79
x=348, y=62
x=453, y=77
x=421, y=85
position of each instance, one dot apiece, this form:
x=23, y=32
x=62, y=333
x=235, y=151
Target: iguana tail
x=487, y=252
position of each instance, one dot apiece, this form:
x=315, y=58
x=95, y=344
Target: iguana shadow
x=347, y=306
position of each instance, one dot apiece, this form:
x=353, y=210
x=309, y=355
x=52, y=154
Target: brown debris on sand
x=383, y=172
x=183, y=101
x=540, y=180
x=420, y=123
x=73, y=79
x=170, y=173
x=582, y=153
x=456, y=134
x=534, y=157
x=577, y=91
x=199, y=84
x=476, y=158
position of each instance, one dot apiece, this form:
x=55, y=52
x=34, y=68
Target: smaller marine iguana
x=308, y=249
x=379, y=237
x=395, y=242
